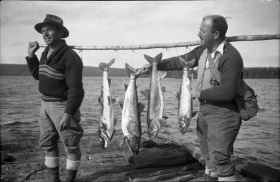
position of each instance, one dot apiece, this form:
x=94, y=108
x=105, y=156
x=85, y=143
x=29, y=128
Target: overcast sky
x=135, y=23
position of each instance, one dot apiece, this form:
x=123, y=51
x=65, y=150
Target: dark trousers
x=217, y=128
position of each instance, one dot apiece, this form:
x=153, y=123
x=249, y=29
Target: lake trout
x=107, y=122
x=185, y=111
x=155, y=117
x=131, y=110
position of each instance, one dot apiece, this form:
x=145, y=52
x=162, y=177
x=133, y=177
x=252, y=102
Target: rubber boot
x=52, y=164
x=72, y=169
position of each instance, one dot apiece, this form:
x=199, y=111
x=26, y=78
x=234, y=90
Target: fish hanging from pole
x=107, y=122
x=185, y=108
x=131, y=110
x=155, y=97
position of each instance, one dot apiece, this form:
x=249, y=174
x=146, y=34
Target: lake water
x=257, y=141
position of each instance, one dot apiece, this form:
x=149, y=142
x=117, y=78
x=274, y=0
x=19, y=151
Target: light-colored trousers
x=50, y=117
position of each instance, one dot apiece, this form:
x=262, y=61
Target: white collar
x=220, y=49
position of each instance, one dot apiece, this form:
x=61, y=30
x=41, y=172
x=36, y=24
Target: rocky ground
x=23, y=160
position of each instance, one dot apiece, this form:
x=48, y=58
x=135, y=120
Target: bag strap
x=214, y=70
x=242, y=86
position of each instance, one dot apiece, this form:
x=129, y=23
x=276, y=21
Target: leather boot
x=53, y=174
x=71, y=175
x=72, y=169
x=210, y=174
x=52, y=164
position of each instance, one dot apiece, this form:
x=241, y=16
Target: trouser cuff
x=52, y=162
x=72, y=165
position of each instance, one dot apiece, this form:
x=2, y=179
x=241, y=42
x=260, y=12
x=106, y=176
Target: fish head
x=103, y=139
x=184, y=124
x=133, y=144
x=155, y=126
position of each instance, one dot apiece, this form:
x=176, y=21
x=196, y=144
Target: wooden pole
x=172, y=45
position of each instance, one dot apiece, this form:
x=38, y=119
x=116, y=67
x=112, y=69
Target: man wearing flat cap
x=59, y=72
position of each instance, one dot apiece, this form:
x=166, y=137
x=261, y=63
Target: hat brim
x=38, y=28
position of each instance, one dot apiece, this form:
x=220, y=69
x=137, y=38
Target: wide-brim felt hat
x=53, y=20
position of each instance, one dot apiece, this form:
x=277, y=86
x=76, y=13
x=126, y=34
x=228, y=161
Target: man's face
x=51, y=34
x=205, y=34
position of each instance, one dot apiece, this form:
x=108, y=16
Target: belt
x=52, y=99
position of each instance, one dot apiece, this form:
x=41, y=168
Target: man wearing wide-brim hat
x=59, y=72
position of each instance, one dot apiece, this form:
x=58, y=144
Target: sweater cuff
x=32, y=59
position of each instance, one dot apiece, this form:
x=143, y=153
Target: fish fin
x=104, y=66
x=132, y=71
x=148, y=58
x=159, y=57
x=162, y=120
x=113, y=134
x=104, y=126
x=186, y=64
x=194, y=113
x=145, y=93
x=155, y=60
x=121, y=103
x=177, y=95
x=162, y=74
x=129, y=70
x=109, y=81
x=163, y=89
x=106, y=138
x=140, y=107
x=125, y=86
x=111, y=62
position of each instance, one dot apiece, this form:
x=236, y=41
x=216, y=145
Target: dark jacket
x=230, y=65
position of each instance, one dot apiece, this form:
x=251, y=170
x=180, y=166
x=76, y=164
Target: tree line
x=250, y=73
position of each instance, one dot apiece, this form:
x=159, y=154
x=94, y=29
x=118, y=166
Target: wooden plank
x=164, y=177
x=172, y=45
x=255, y=171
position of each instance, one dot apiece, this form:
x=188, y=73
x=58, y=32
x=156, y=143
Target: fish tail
x=186, y=64
x=132, y=71
x=129, y=70
x=155, y=60
x=145, y=93
x=105, y=66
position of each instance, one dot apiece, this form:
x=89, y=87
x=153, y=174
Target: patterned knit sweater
x=60, y=76
x=230, y=65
